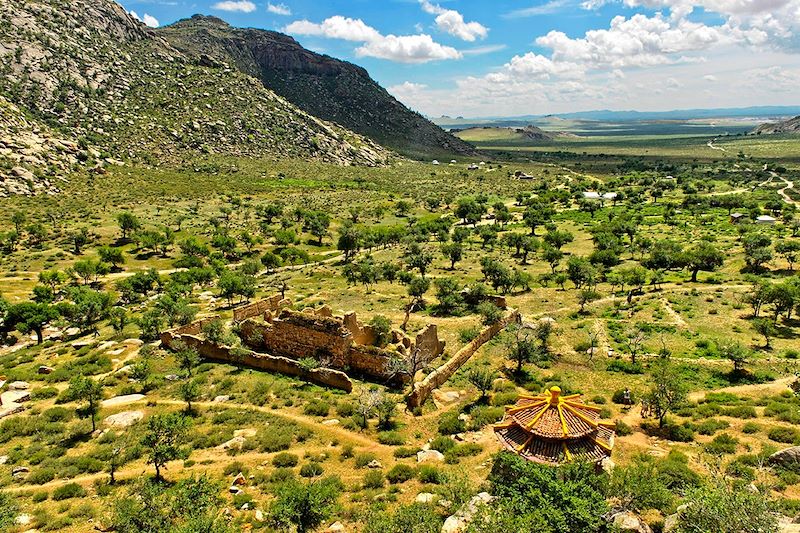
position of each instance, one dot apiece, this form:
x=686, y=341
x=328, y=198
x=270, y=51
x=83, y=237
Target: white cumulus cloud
x=452, y=22
x=400, y=48
x=147, y=19
x=241, y=6
x=279, y=9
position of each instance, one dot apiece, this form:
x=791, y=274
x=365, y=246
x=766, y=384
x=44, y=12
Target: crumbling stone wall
x=266, y=307
x=438, y=377
x=284, y=365
x=195, y=328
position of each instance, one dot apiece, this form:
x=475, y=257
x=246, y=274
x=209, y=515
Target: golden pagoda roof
x=552, y=428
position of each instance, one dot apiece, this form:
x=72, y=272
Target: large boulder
x=461, y=519
x=429, y=455
x=124, y=419
x=627, y=521
x=787, y=458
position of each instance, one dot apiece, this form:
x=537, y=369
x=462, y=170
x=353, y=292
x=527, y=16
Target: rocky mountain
x=328, y=88
x=85, y=83
x=787, y=126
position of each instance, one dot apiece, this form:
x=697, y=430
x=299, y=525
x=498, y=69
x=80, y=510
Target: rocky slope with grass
x=88, y=73
x=328, y=88
x=787, y=126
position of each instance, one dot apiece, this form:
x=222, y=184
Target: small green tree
x=87, y=390
x=668, y=391
x=304, y=506
x=482, y=379
x=30, y=317
x=163, y=437
x=765, y=328
x=189, y=391
x=128, y=223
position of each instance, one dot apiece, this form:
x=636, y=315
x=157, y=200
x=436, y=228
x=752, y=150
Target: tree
x=453, y=252
x=470, y=211
x=586, y=296
x=128, y=223
x=633, y=340
x=537, y=214
x=482, y=379
x=88, y=307
x=668, y=391
x=271, y=261
x=349, y=240
x=757, y=250
x=736, y=354
x=30, y=317
x=703, y=256
x=86, y=389
x=789, y=250
x=521, y=345
x=304, y=506
x=79, y=238
x=163, y=437
x=721, y=506
x=766, y=328
x=18, y=219
x=232, y=284
x=558, y=238
x=581, y=272
x=552, y=256
x=111, y=255
x=189, y=391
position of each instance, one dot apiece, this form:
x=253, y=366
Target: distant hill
x=528, y=135
x=86, y=72
x=787, y=126
x=327, y=88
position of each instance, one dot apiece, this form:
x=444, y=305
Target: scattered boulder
x=259, y=515
x=19, y=385
x=239, y=480
x=336, y=527
x=458, y=522
x=124, y=419
x=23, y=519
x=607, y=465
x=222, y=399
x=123, y=400
x=331, y=422
x=45, y=370
x=429, y=455
x=3, y=459
x=787, y=458
x=424, y=497
x=627, y=521
x=374, y=464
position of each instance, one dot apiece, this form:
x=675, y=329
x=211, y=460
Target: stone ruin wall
x=438, y=377
x=266, y=307
x=225, y=354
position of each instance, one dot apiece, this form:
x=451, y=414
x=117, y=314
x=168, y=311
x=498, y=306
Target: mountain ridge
x=329, y=88
x=89, y=73
x=791, y=125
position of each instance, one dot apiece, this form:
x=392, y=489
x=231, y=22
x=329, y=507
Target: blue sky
x=516, y=57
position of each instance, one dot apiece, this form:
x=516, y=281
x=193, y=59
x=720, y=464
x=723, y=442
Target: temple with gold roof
x=553, y=429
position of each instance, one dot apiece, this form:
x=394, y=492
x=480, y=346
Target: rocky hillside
x=330, y=89
x=787, y=126
x=86, y=72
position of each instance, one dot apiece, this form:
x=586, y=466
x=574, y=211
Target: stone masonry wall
x=436, y=378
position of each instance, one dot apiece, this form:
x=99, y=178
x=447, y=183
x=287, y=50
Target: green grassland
x=214, y=196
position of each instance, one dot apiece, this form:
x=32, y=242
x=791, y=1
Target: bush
x=622, y=429
x=442, y=444
x=741, y=411
x=404, y=451
x=312, y=469
x=721, y=507
x=679, y=433
x=639, y=486
x=316, y=408
x=391, y=438
x=400, y=473
x=784, y=434
x=722, y=444
x=373, y=479
x=38, y=497
x=281, y=475
x=231, y=469
x=450, y=424
x=429, y=474
x=363, y=459
x=462, y=450
x=484, y=415
x=70, y=490
x=345, y=409
x=751, y=427
x=285, y=460
x=501, y=399
x=711, y=426
x=41, y=476
x=414, y=518
x=626, y=367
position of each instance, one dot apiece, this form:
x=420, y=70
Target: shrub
x=450, y=424
x=484, y=415
x=501, y=399
x=231, y=469
x=741, y=411
x=312, y=469
x=70, y=490
x=622, y=429
x=41, y=476
x=721, y=507
x=626, y=367
x=429, y=474
x=784, y=434
x=462, y=450
x=363, y=459
x=599, y=400
x=281, y=475
x=414, y=518
x=404, y=451
x=391, y=438
x=400, y=473
x=373, y=479
x=347, y=451
x=722, y=444
x=639, y=486
x=285, y=460
x=711, y=426
x=679, y=433
x=442, y=444
x=316, y=408
x=751, y=427
x=345, y=409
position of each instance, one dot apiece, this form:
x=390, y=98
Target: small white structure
x=765, y=219
x=591, y=195
x=473, y=167
x=435, y=162
x=610, y=196
x=453, y=161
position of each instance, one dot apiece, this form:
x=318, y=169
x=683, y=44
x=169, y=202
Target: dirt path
x=711, y=145
x=677, y=319
x=774, y=387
